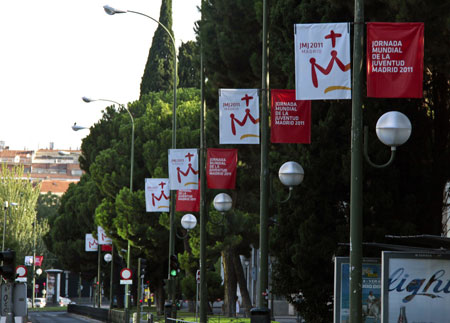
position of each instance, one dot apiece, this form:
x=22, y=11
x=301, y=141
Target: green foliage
x=189, y=65
x=159, y=70
x=21, y=194
x=66, y=239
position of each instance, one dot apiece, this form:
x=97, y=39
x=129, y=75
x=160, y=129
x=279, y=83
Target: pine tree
x=158, y=73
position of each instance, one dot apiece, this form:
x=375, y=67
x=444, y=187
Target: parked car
x=64, y=301
x=40, y=302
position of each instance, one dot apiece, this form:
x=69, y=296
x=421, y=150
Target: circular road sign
x=125, y=274
x=21, y=271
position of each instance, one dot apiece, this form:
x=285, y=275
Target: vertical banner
x=102, y=237
x=290, y=118
x=91, y=243
x=221, y=168
x=39, y=260
x=322, y=61
x=395, y=60
x=238, y=116
x=188, y=201
x=157, y=194
x=183, y=169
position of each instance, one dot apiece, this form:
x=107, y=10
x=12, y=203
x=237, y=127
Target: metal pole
x=111, y=302
x=203, y=286
x=127, y=288
x=356, y=191
x=138, y=309
x=34, y=262
x=98, y=275
x=264, y=180
x=4, y=225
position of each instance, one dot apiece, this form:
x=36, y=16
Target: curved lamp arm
x=182, y=237
x=366, y=155
x=218, y=222
x=279, y=201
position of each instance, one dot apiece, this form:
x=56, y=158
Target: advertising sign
x=290, y=118
x=371, y=290
x=322, y=61
x=183, y=169
x=221, y=168
x=395, y=60
x=238, y=116
x=157, y=194
x=416, y=287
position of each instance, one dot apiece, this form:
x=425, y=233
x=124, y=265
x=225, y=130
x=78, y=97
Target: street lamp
x=188, y=222
x=76, y=127
x=109, y=258
x=223, y=202
x=88, y=100
x=112, y=11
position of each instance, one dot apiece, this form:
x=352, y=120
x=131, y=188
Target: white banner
x=157, y=194
x=183, y=169
x=91, y=243
x=102, y=237
x=322, y=61
x=238, y=116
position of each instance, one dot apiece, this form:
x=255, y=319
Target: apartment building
x=55, y=169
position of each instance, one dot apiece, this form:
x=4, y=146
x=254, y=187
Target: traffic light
x=174, y=266
x=143, y=266
x=8, y=267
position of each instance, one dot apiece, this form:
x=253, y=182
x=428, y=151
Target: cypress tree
x=158, y=73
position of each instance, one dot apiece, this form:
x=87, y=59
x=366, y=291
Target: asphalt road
x=57, y=317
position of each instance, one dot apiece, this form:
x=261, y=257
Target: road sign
x=21, y=271
x=197, y=276
x=126, y=275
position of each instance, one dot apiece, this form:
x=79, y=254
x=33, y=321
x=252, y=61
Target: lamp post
x=356, y=171
x=112, y=11
x=109, y=258
x=34, y=260
x=88, y=100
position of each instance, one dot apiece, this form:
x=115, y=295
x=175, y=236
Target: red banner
x=188, y=201
x=106, y=247
x=290, y=118
x=395, y=60
x=38, y=260
x=221, y=168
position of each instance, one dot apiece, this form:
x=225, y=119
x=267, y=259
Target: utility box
x=6, y=303
x=20, y=299
x=260, y=315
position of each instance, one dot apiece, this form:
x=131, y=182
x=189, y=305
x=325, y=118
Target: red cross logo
x=332, y=35
x=162, y=185
x=189, y=156
x=247, y=99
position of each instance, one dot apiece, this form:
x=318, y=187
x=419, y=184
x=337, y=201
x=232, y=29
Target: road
x=57, y=317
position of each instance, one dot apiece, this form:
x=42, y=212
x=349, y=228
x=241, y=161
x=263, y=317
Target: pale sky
x=53, y=52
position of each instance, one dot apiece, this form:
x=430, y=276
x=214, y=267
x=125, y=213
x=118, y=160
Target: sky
x=54, y=52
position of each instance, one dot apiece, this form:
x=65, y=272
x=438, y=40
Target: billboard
x=415, y=287
x=371, y=290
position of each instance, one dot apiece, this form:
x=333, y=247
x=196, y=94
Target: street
x=57, y=317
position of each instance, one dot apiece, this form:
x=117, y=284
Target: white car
x=40, y=302
x=64, y=301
